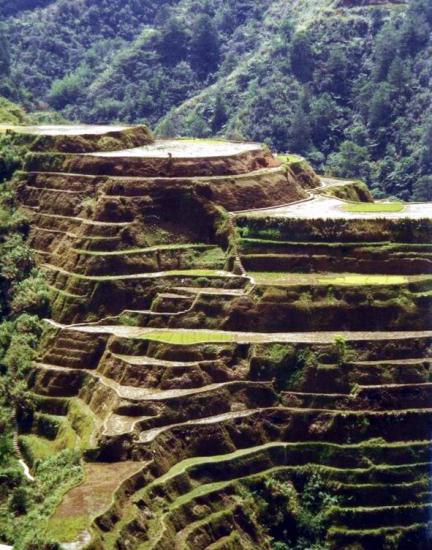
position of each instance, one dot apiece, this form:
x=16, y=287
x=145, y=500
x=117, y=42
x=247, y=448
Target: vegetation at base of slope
x=24, y=515
x=73, y=432
x=347, y=88
x=375, y=207
x=294, y=517
x=10, y=113
x=23, y=302
x=66, y=529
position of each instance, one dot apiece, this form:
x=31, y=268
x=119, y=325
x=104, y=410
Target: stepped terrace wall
x=316, y=306
x=63, y=194
x=187, y=458
x=94, y=232
x=271, y=255
x=240, y=163
x=377, y=229
x=222, y=431
x=79, y=139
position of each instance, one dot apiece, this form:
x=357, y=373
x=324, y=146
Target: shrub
x=16, y=258
x=66, y=90
x=88, y=205
x=31, y=295
x=341, y=349
x=19, y=502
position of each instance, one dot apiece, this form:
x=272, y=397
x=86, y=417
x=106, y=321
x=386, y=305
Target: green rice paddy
x=278, y=277
x=359, y=279
x=374, y=207
x=190, y=337
x=289, y=158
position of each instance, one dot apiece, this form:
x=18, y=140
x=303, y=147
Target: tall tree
x=386, y=47
x=302, y=61
x=422, y=189
x=220, y=115
x=4, y=56
x=426, y=145
x=174, y=41
x=380, y=107
x=205, y=47
x=300, y=131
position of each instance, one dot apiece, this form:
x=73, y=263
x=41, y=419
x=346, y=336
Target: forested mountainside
x=345, y=83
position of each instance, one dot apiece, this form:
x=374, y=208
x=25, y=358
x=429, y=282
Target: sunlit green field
x=374, y=207
x=277, y=277
x=289, y=158
x=359, y=279
x=188, y=338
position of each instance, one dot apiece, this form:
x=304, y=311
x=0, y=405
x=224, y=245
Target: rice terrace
x=215, y=275
x=227, y=334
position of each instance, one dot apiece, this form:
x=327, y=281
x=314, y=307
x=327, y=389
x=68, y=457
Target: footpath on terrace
x=222, y=319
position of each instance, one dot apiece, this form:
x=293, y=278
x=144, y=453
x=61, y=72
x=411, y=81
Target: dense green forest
x=343, y=83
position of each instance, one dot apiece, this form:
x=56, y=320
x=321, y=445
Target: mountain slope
x=344, y=82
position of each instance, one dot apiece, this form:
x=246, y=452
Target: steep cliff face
x=242, y=357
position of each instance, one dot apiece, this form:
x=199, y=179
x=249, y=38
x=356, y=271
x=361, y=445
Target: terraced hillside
x=241, y=353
